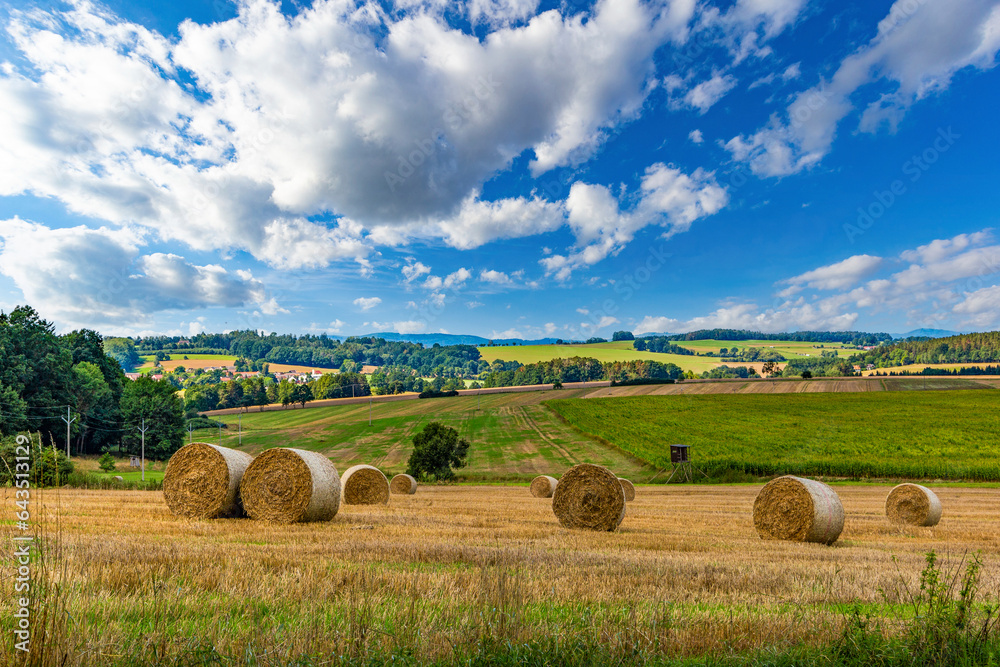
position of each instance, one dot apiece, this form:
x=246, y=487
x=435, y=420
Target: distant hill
x=927, y=333
x=457, y=339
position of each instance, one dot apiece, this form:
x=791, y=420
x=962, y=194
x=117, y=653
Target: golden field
x=455, y=565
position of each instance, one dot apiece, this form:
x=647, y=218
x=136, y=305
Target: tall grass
x=946, y=435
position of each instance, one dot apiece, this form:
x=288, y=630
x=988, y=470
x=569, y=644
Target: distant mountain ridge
x=928, y=333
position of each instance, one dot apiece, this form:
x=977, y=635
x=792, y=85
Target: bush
x=430, y=393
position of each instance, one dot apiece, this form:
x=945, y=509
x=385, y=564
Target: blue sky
x=506, y=168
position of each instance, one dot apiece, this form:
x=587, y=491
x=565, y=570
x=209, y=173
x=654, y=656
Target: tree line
x=41, y=374
x=964, y=348
x=860, y=338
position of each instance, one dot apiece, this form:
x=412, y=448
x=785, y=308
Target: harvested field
x=452, y=566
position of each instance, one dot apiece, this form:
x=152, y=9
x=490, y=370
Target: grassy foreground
x=915, y=434
x=485, y=575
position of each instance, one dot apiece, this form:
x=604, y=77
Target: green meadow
x=909, y=434
x=512, y=436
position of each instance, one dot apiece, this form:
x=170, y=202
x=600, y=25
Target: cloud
x=837, y=276
x=824, y=316
x=704, y=95
x=453, y=280
x=495, y=277
x=919, y=47
x=214, y=139
x=367, y=303
x=668, y=198
x=695, y=136
x=414, y=270
x=86, y=277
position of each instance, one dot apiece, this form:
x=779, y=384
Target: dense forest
x=322, y=351
x=964, y=348
x=846, y=337
x=579, y=369
x=45, y=377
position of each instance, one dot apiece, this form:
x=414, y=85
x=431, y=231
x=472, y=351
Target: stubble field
x=451, y=571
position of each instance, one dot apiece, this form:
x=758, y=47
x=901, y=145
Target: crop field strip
x=918, y=434
x=512, y=435
x=450, y=564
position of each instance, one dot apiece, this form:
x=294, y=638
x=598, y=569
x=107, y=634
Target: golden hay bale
x=403, y=484
x=589, y=496
x=800, y=510
x=364, y=485
x=202, y=481
x=913, y=504
x=628, y=488
x=543, y=486
x=288, y=485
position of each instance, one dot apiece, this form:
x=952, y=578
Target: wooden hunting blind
x=680, y=458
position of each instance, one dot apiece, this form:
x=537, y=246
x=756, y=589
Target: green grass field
x=136, y=476
x=512, y=436
x=922, y=434
x=624, y=351
x=788, y=349
x=619, y=351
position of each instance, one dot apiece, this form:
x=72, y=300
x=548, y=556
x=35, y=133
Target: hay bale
x=589, y=496
x=288, y=485
x=364, y=485
x=119, y=478
x=202, y=481
x=628, y=488
x=913, y=504
x=543, y=486
x=403, y=484
x=800, y=510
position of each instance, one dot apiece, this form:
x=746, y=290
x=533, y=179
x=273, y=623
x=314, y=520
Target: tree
x=123, y=351
x=301, y=393
x=89, y=391
x=107, y=462
x=622, y=335
x=436, y=450
x=769, y=368
x=639, y=345
x=157, y=402
x=806, y=374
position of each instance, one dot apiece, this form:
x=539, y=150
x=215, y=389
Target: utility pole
x=190, y=432
x=68, y=422
x=143, y=431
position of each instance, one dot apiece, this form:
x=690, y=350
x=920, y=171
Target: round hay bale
x=364, y=485
x=913, y=504
x=289, y=485
x=403, y=484
x=543, y=486
x=589, y=496
x=119, y=478
x=202, y=481
x=628, y=488
x=799, y=510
